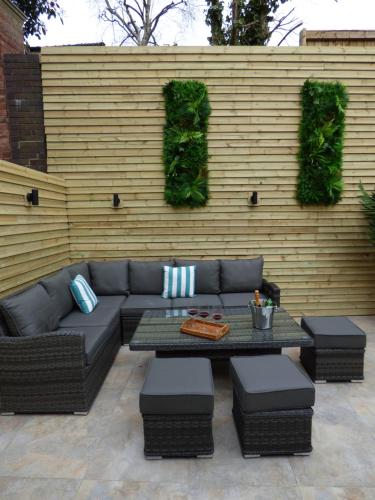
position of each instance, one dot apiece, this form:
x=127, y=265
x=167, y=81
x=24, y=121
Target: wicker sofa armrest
x=271, y=290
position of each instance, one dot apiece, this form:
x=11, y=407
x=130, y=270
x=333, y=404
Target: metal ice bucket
x=262, y=316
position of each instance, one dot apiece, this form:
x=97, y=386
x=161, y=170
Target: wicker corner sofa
x=53, y=358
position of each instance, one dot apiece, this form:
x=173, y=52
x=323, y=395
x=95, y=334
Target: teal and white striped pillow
x=178, y=282
x=83, y=294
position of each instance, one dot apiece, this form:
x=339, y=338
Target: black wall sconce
x=33, y=197
x=253, y=198
x=116, y=200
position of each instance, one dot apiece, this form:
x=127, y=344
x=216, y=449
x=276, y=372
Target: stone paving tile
x=132, y=490
x=38, y=489
x=308, y=493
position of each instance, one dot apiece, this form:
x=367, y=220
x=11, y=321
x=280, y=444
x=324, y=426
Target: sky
x=81, y=23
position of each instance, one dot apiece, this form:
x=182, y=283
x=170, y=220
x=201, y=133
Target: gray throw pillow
x=207, y=274
x=29, y=313
x=81, y=268
x=110, y=278
x=241, y=275
x=146, y=278
x=57, y=287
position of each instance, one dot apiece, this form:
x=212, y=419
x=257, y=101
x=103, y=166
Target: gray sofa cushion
x=29, y=313
x=198, y=300
x=100, y=316
x=239, y=299
x=111, y=300
x=207, y=274
x=271, y=382
x=145, y=302
x=110, y=278
x=57, y=287
x=178, y=386
x=146, y=278
x=334, y=332
x=81, y=268
x=241, y=275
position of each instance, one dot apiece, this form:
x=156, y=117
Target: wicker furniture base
x=333, y=364
x=178, y=436
x=282, y=432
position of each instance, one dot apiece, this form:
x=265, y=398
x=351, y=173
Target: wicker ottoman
x=176, y=403
x=338, y=352
x=272, y=401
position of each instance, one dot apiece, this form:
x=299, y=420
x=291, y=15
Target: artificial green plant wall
x=185, y=151
x=321, y=136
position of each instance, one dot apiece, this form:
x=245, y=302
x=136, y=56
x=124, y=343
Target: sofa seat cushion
x=136, y=304
x=241, y=275
x=81, y=268
x=100, y=316
x=207, y=274
x=269, y=383
x=334, y=332
x=178, y=386
x=110, y=278
x=238, y=299
x=30, y=312
x=201, y=300
x=146, y=278
x=111, y=300
x=57, y=287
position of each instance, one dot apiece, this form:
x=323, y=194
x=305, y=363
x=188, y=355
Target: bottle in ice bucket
x=257, y=298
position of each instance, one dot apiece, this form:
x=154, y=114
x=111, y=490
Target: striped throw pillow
x=178, y=282
x=83, y=295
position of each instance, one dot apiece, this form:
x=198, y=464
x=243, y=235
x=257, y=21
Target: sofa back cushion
x=3, y=328
x=146, y=278
x=207, y=274
x=57, y=287
x=81, y=268
x=29, y=313
x=110, y=278
x=242, y=275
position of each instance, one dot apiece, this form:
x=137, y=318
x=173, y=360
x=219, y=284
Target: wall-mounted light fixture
x=116, y=200
x=253, y=199
x=33, y=197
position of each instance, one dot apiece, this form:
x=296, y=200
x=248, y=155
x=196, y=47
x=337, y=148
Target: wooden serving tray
x=205, y=329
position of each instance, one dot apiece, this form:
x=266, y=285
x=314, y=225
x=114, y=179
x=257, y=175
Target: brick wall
x=25, y=110
x=11, y=42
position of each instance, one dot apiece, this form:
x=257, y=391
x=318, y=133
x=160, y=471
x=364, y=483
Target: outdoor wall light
x=253, y=198
x=116, y=200
x=33, y=197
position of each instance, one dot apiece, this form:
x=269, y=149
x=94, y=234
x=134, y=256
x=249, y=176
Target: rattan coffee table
x=159, y=331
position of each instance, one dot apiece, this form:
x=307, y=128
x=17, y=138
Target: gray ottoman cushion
x=334, y=332
x=271, y=382
x=242, y=275
x=81, y=268
x=207, y=274
x=110, y=278
x=178, y=386
x=57, y=287
x=146, y=278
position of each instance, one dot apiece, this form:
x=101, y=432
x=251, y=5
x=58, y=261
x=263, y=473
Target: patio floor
x=101, y=455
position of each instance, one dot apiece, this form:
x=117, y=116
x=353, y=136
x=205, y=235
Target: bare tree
x=137, y=19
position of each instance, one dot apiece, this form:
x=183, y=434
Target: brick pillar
x=11, y=42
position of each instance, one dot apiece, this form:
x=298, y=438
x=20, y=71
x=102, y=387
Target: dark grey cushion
x=334, y=332
x=198, y=300
x=178, y=386
x=146, y=302
x=57, y=287
x=29, y=313
x=146, y=278
x=111, y=300
x=271, y=382
x=110, y=278
x=207, y=274
x=81, y=268
x=3, y=328
x=239, y=299
x=100, y=316
x=242, y=275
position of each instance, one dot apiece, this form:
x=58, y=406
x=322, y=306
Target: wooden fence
x=104, y=120
x=33, y=239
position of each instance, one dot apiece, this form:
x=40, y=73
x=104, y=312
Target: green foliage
x=185, y=151
x=33, y=10
x=368, y=207
x=321, y=136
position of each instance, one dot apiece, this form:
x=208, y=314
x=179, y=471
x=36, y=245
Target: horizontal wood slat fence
x=34, y=240
x=104, y=117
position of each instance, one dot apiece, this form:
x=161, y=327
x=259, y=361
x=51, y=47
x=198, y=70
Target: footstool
x=272, y=401
x=176, y=403
x=338, y=352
